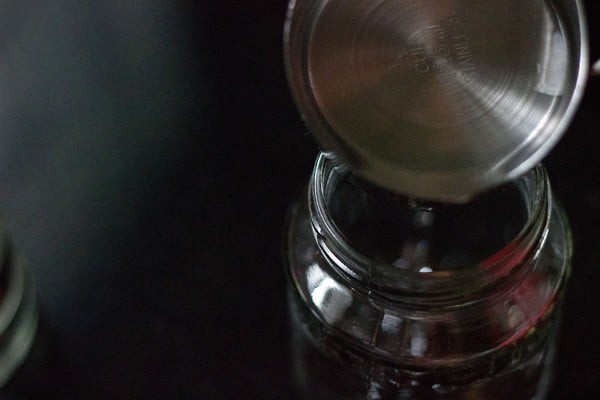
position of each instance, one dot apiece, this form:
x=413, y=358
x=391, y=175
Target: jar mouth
x=512, y=257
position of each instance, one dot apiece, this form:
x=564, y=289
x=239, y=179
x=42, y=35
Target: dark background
x=148, y=152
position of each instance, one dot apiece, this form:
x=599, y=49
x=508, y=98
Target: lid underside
x=436, y=99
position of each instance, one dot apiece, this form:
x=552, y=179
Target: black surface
x=148, y=153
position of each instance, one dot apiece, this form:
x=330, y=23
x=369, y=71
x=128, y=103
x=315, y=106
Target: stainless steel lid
x=437, y=98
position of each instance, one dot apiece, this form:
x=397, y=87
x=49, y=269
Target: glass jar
x=393, y=298
x=18, y=310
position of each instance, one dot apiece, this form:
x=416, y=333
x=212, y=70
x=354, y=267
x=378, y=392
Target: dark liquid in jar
x=326, y=369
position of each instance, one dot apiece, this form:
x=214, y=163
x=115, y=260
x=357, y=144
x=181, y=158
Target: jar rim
x=388, y=280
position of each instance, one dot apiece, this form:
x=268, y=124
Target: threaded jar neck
x=417, y=252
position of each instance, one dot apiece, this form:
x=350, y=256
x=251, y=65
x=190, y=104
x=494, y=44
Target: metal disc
x=437, y=98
